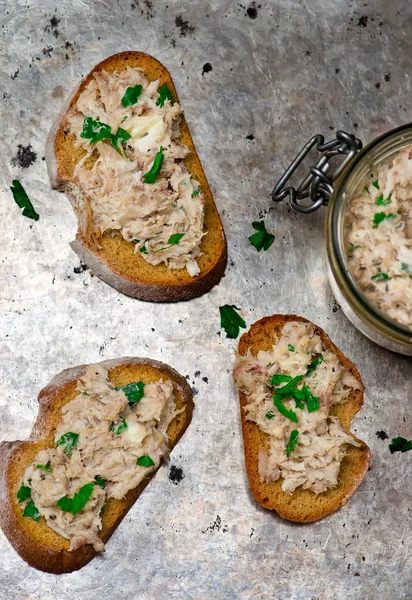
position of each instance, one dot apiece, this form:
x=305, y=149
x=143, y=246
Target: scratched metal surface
x=275, y=73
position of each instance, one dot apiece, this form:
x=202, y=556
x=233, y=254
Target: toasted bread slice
x=115, y=262
x=36, y=543
x=302, y=506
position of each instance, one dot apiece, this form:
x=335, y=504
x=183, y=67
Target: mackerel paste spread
x=379, y=238
x=289, y=392
x=108, y=440
x=132, y=174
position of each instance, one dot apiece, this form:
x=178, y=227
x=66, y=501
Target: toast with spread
x=298, y=395
x=101, y=433
x=123, y=154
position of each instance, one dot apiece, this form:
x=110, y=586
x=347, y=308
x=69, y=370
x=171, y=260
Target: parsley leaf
x=379, y=217
x=121, y=136
x=292, y=443
x=22, y=200
x=31, y=511
x=400, y=444
x=269, y=415
x=173, y=240
x=230, y=321
x=380, y=277
x=289, y=414
x=95, y=131
x=131, y=95
x=45, y=467
x=99, y=481
x=23, y=493
x=261, y=239
x=407, y=269
x=286, y=390
x=279, y=378
x=153, y=174
x=196, y=192
x=382, y=202
x=312, y=402
x=352, y=248
x=164, y=94
x=375, y=184
x=122, y=426
x=143, y=249
x=134, y=391
x=145, y=461
x=291, y=348
x=315, y=363
x=69, y=440
x=74, y=505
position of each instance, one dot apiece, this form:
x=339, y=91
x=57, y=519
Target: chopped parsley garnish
x=381, y=201
x=23, y=493
x=286, y=390
x=407, y=269
x=164, y=94
x=375, y=184
x=143, y=249
x=122, y=426
x=305, y=395
x=134, y=391
x=31, y=511
x=196, y=192
x=99, y=481
x=145, y=461
x=278, y=378
x=261, y=239
x=315, y=363
x=292, y=443
x=230, y=321
x=95, y=131
x=289, y=414
x=291, y=348
x=131, y=95
x=269, y=415
x=175, y=238
x=44, y=467
x=74, y=505
x=22, y=200
x=153, y=174
x=400, y=444
x=121, y=136
x=379, y=217
x=69, y=440
x=380, y=277
x=352, y=247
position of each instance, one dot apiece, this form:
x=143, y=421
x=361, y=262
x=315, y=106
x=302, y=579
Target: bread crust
x=36, y=543
x=302, y=506
x=115, y=261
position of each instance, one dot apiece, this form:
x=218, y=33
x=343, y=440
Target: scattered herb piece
x=382, y=202
x=145, y=461
x=131, y=95
x=31, y=511
x=278, y=378
x=99, y=481
x=400, y=444
x=121, y=136
x=103, y=508
x=22, y=200
x=375, y=184
x=143, y=249
x=230, y=321
x=261, y=239
x=153, y=174
x=269, y=415
x=289, y=414
x=74, y=505
x=175, y=238
x=164, y=94
x=23, y=493
x=122, y=426
x=314, y=364
x=293, y=440
x=69, y=440
x=352, y=248
x=379, y=217
x=196, y=192
x=134, y=391
x=291, y=348
x=44, y=467
x=95, y=131
x=380, y=277
x=407, y=269
x=286, y=390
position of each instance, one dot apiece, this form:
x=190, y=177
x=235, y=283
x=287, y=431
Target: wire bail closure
x=318, y=184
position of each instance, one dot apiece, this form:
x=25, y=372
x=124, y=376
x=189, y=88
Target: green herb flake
x=292, y=443
x=269, y=415
x=99, y=481
x=381, y=201
x=134, y=391
x=31, y=511
x=45, y=468
x=230, y=321
x=381, y=216
x=196, y=192
x=132, y=95
x=23, y=201
x=95, y=131
x=278, y=378
x=353, y=247
x=291, y=348
x=288, y=413
x=74, y=505
x=407, y=269
x=23, y=493
x=400, y=444
x=380, y=277
x=145, y=461
x=286, y=390
x=261, y=239
x=314, y=364
x=122, y=426
x=164, y=94
x=121, y=136
x=143, y=249
x=69, y=440
x=375, y=184
x=153, y=174
x=175, y=238
x=103, y=508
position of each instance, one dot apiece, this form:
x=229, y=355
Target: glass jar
x=359, y=310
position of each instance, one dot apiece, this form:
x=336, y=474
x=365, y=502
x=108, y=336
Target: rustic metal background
x=256, y=81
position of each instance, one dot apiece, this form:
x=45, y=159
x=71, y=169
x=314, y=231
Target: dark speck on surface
x=15, y=74
x=176, y=474
x=207, y=67
x=25, y=156
x=52, y=26
x=205, y=379
x=387, y=77
x=80, y=269
x=216, y=526
x=382, y=435
x=362, y=21
x=250, y=136
x=251, y=11
x=195, y=391
x=185, y=27
x=377, y=85
x=197, y=373
x=337, y=70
